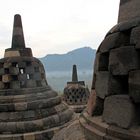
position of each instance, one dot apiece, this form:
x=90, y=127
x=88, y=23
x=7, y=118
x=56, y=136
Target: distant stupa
x=29, y=108
x=114, y=106
x=75, y=93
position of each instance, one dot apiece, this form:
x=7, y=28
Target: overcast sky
x=58, y=26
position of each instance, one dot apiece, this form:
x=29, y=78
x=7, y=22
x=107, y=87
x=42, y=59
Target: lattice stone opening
x=6, y=70
x=0, y=77
x=1, y=65
x=103, y=61
x=126, y=37
x=22, y=70
x=75, y=100
x=15, y=64
x=14, y=77
x=118, y=85
x=7, y=85
x=28, y=77
x=28, y=63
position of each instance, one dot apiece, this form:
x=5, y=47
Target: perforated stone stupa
x=113, y=111
x=29, y=108
x=75, y=93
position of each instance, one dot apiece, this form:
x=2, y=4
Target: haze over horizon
x=52, y=26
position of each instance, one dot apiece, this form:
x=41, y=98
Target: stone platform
x=95, y=129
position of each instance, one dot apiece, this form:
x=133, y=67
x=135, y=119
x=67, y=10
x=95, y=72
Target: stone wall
x=129, y=9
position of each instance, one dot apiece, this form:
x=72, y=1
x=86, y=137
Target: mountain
x=82, y=57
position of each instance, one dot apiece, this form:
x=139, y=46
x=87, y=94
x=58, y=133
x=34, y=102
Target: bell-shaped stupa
x=29, y=108
x=113, y=111
x=75, y=93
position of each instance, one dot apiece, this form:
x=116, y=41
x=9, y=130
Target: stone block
x=134, y=85
x=1, y=85
x=112, y=41
x=2, y=71
x=35, y=64
x=7, y=65
x=101, y=84
x=96, y=62
x=22, y=77
x=37, y=76
x=12, y=54
x=20, y=106
x=122, y=60
x=129, y=10
x=127, y=26
x=30, y=83
x=39, y=124
x=119, y=110
x=4, y=116
x=91, y=102
x=11, y=127
x=43, y=82
x=29, y=136
x=106, y=84
x=15, y=84
x=1, y=65
x=29, y=114
x=29, y=70
x=135, y=35
x=21, y=64
x=14, y=71
x=6, y=78
x=2, y=126
x=20, y=127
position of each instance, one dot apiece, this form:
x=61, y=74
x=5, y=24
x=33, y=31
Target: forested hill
x=82, y=57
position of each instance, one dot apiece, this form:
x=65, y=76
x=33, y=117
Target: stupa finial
x=74, y=74
x=18, y=36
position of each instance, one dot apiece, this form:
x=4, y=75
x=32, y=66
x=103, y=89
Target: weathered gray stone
x=15, y=84
x=29, y=70
x=22, y=77
x=29, y=136
x=135, y=35
x=127, y=11
x=2, y=71
x=44, y=82
x=113, y=40
x=37, y=76
x=6, y=78
x=21, y=106
x=13, y=70
x=7, y=65
x=122, y=60
x=1, y=85
x=101, y=84
x=91, y=102
x=134, y=85
x=21, y=64
x=106, y=84
x=30, y=83
x=119, y=110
